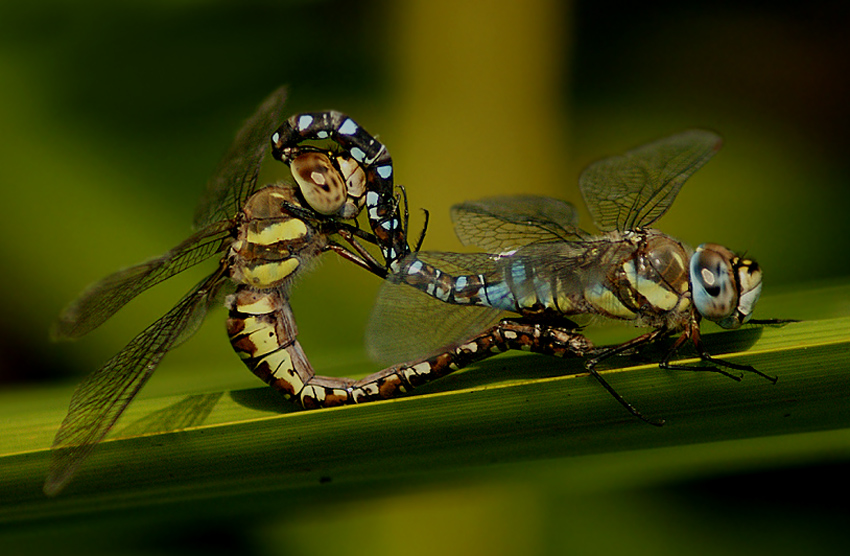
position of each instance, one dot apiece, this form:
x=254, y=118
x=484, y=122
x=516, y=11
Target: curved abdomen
x=263, y=333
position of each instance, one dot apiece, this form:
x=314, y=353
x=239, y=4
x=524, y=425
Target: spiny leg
x=406, y=226
x=362, y=257
x=772, y=322
x=603, y=354
x=368, y=263
x=667, y=366
x=693, y=333
x=422, y=233
x=405, y=223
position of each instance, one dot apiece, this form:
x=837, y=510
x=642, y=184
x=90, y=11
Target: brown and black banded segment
x=262, y=331
x=401, y=379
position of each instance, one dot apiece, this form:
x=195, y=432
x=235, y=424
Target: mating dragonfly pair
x=536, y=264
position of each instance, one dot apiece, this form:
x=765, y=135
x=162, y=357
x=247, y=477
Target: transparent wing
x=102, y=299
x=191, y=411
x=635, y=189
x=235, y=179
x=98, y=402
x=499, y=224
x=456, y=263
x=407, y=324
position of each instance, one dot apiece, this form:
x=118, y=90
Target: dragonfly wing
x=633, y=190
x=499, y=224
x=102, y=299
x=98, y=402
x=407, y=324
x=235, y=179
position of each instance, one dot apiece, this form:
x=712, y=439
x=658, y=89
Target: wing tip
x=62, y=469
x=64, y=329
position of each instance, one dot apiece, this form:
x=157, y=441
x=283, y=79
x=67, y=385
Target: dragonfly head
x=725, y=286
x=326, y=183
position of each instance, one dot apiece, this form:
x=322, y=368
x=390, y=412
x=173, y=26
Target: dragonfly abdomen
x=262, y=331
x=486, y=290
x=640, y=276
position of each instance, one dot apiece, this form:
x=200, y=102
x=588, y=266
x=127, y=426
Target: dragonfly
x=263, y=237
x=539, y=265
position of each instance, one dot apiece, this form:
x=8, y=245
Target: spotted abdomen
x=262, y=331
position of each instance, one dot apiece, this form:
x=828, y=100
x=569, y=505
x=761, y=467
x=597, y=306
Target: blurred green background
x=114, y=115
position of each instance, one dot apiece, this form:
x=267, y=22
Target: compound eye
x=320, y=183
x=355, y=177
x=355, y=185
x=715, y=294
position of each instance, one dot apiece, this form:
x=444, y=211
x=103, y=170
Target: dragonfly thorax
x=271, y=243
x=659, y=271
x=642, y=275
x=725, y=287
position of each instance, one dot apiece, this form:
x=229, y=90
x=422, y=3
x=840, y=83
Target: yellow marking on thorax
x=564, y=304
x=607, y=303
x=528, y=300
x=268, y=274
x=656, y=293
x=564, y=301
x=286, y=230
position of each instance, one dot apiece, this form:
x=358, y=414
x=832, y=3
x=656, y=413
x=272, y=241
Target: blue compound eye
x=715, y=293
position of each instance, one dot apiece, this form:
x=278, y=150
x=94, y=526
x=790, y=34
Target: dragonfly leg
x=406, y=227
x=716, y=365
x=424, y=229
x=667, y=366
x=705, y=356
x=405, y=222
x=361, y=258
x=603, y=354
x=772, y=322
